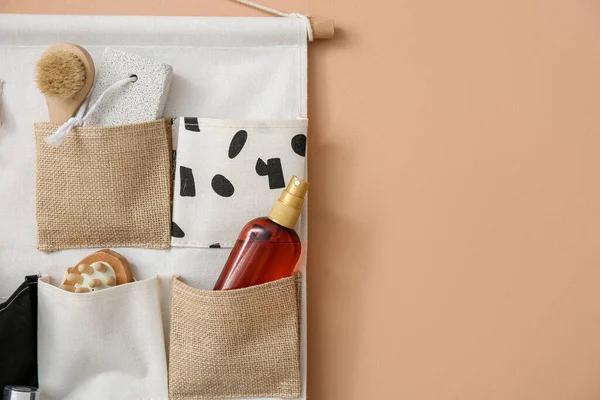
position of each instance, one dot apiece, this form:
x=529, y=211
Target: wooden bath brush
x=100, y=270
x=65, y=75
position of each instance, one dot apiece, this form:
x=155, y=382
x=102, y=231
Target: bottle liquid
x=268, y=248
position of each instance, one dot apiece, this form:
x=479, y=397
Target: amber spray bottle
x=268, y=248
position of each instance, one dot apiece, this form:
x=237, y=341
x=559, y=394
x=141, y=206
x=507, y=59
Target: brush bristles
x=60, y=74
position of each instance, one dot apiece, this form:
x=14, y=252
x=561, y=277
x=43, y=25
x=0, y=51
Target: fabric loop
x=309, y=30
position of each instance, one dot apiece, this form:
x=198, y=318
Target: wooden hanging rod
x=322, y=28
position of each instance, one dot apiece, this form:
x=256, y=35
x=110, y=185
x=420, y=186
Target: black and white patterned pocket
x=229, y=172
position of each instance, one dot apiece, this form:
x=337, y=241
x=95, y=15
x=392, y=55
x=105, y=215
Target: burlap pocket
x=104, y=187
x=235, y=343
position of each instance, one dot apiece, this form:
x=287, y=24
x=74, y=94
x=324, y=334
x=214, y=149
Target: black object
x=18, y=336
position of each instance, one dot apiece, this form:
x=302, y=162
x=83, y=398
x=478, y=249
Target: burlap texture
x=236, y=343
x=104, y=187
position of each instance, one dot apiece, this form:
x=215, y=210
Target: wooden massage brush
x=100, y=270
x=65, y=74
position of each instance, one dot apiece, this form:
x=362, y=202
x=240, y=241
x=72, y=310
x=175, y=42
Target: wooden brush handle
x=61, y=110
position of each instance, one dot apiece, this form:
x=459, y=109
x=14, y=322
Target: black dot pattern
x=272, y=169
x=176, y=231
x=191, y=124
x=187, y=186
x=222, y=186
x=237, y=143
x=299, y=144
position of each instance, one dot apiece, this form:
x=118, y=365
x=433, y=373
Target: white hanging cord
x=58, y=137
x=309, y=30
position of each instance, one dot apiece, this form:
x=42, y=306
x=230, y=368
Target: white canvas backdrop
x=231, y=68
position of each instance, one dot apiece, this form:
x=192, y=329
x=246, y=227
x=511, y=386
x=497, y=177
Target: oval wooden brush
x=65, y=74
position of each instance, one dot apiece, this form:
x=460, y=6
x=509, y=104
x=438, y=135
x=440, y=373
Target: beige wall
x=455, y=207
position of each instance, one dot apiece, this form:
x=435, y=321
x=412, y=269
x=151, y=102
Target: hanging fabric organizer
x=230, y=75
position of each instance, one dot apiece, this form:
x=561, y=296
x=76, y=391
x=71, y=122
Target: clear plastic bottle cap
x=21, y=393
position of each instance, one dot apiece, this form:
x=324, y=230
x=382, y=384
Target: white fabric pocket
x=229, y=172
x=102, y=345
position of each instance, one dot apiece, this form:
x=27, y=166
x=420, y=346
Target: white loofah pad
x=143, y=100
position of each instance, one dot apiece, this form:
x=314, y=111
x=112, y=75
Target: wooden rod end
x=322, y=28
